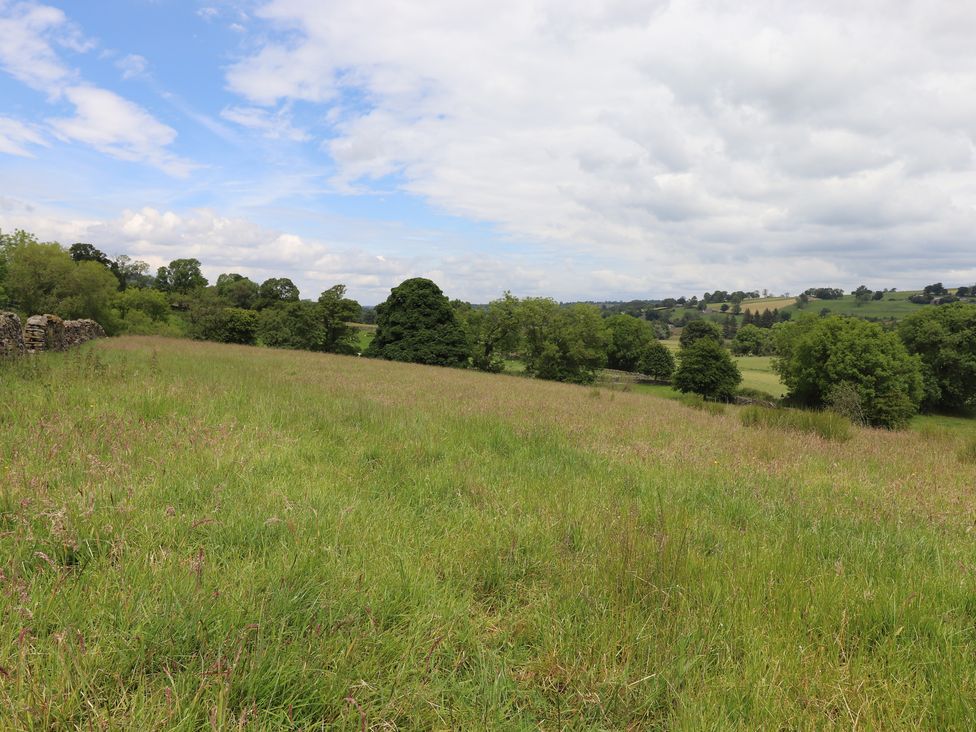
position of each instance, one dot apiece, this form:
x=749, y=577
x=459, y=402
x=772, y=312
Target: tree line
x=877, y=375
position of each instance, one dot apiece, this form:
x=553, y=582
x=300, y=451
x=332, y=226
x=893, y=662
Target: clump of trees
x=817, y=356
x=944, y=338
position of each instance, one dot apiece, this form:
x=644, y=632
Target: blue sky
x=580, y=150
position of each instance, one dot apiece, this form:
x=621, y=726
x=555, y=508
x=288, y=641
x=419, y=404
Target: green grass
x=828, y=425
x=196, y=537
x=895, y=305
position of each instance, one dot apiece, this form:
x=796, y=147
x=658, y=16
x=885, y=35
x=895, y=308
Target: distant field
x=894, y=305
x=206, y=537
x=767, y=303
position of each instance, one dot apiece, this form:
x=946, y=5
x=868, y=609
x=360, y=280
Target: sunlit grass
x=195, y=536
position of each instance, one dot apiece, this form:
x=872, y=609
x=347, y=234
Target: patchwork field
x=196, y=536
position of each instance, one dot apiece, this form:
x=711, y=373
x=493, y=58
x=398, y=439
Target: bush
x=829, y=425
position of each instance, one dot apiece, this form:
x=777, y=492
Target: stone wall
x=44, y=333
x=11, y=335
x=77, y=332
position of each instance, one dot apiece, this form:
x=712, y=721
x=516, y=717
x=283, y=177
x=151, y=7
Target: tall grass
x=829, y=425
x=221, y=537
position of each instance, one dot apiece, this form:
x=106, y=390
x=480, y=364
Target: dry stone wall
x=44, y=333
x=11, y=335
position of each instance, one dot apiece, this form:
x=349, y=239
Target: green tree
x=181, y=276
x=817, y=355
x=493, y=332
x=562, y=343
x=706, y=368
x=89, y=291
x=627, y=341
x=152, y=303
x=698, y=329
x=657, y=361
x=945, y=340
x=275, y=290
x=238, y=290
x=336, y=311
x=132, y=272
x=36, y=276
x=417, y=324
x=295, y=324
x=751, y=340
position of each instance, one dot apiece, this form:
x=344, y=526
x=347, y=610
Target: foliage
x=699, y=329
x=181, y=276
x=275, y=290
x=336, y=311
x=751, y=340
x=829, y=425
x=656, y=361
x=562, y=343
x=295, y=324
x=945, y=340
x=816, y=355
x=416, y=323
x=627, y=341
x=238, y=290
x=492, y=332
x=705, y=368
x=825, y=293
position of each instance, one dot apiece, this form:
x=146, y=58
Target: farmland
x=203, y=536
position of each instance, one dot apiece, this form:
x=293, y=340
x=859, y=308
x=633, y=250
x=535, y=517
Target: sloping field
x=197, y=536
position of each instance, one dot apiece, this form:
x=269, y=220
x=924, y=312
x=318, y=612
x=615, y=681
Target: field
x=196, y=536
x=894, y=305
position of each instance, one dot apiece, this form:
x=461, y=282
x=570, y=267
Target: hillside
x=202, y=536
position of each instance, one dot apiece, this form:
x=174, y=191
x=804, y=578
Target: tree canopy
x=417, y=324
x=818, y=355
x=706, y=368
x=945, y=340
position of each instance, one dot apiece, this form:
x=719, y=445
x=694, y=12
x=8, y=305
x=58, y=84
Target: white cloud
x=685, y=136
x=275, y=126
x=15, y=137
x=117, y=127
x=132, y=66
x=108, y=122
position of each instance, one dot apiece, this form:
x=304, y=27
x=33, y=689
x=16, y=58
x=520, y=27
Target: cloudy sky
x=572, y=148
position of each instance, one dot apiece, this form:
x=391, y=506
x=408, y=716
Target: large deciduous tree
x=335, y=312
x=707, y=369
x=945, y=339
x=698, y=329
x=817, y=356
x=417, y=324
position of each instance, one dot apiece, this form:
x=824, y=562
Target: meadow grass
x=827, y=424
x=893, y=306
x=197, y=536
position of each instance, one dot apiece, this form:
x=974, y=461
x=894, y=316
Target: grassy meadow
x=197, y=536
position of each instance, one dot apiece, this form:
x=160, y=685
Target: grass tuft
x=829, y=425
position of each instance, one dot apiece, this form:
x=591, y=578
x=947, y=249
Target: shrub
x=829, y=425
x=657, y=361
